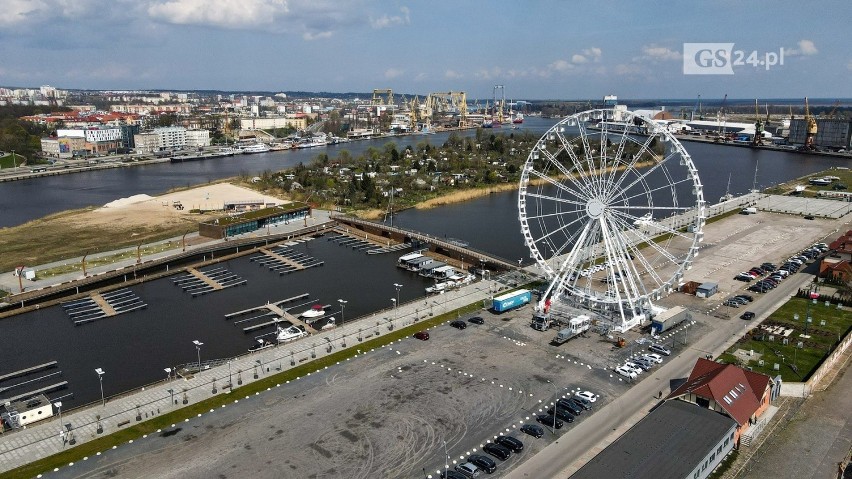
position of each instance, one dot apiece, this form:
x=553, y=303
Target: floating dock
x=283, y=260
x=197, y=282
x=103, y=305
x=274, y=309
x=24, y=372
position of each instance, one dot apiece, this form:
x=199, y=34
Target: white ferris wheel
x=612, y=210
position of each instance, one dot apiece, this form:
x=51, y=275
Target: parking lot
x=387, y=412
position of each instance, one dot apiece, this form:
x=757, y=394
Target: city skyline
x=537, y=50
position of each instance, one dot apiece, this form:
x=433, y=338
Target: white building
x=92, y=135
x=270, y=122
x=171, y=138
x=197, y=138
x=147, y=142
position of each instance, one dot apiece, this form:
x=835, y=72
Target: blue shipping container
x=511, y=300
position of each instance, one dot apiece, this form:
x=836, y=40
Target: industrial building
x=676, y=440
x=249, y=221
x=833, y=133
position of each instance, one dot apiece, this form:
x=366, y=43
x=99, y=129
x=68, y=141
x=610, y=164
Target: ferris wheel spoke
x=558, y=184
x=648, y=192
x=587, y=154
x=649, y=241
x=611, y=174
x=568, y=148
x=557, y=230
x=632, y=165
x=638, y=207
x=653, y=224
x=560, y=213
x=640, y=176
x=555, y=199
x=629, y=246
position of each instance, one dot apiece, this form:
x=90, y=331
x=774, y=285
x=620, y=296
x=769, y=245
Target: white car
x=587, y=395
x=653, y=357
x=626, y=372
x=634, y=367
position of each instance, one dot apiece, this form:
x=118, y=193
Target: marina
x=102, y=305
x=197, y=282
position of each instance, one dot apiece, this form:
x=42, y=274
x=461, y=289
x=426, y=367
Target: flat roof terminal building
x=227, y=226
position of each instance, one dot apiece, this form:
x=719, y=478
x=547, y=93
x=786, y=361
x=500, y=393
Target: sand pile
x=122, y=202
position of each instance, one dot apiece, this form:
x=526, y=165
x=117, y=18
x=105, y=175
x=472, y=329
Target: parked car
x=570, y=406
x=533, y=430
x=660, y=349
x=547, y=420
x=643, y=363
x=637, y=369
x=626, y=372
x=587, y=395
x=584, y=405
x=561, y=413
x=452, y=475
x=468, y=469
x=485, y=463
x=746, y=297
x=743, y=277
x=476, y=320
x=422, y=335
x=510, y=442
x=653, y=357
x=497, y=451
x=585, y=402
x=458, y=324
x=747, y=315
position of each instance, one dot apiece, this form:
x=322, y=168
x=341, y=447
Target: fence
x=806, y=388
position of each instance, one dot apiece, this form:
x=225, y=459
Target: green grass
x=725, y=465
x=136, y=431
x=8, y=162
x=105, y=260
x=795, y=364
x=258, y=214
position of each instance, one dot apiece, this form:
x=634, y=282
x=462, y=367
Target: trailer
x=669, y=318
x=576, y=326
x=512, y=300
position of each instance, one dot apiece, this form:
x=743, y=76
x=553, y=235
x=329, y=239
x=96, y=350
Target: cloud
x=594, y=53
x=391, y=73
x=657, y=53
x=578, y=59
x=806, y=48
x=452, y=75
x=310, y=36
x=629, y=69
x=386, y=21
x=561, y=66
x=18, y=13
x=224, y=13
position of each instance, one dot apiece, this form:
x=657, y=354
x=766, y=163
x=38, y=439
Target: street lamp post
x=100, y=373
x=230, y=383
x=446, y=458
x=342, y=306
x=398, y=287
x=198, y=345
x=555, y=399
x=172, y=392
x=58, y=405
x=168, y=373
x=393, y=303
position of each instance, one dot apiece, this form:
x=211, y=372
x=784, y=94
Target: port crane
x=720, y=118
x=810, y=127
x=758, y=127
x=697, y=108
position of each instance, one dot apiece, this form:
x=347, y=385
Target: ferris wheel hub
x=595, y=208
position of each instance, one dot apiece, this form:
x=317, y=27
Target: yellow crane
x=810, y=127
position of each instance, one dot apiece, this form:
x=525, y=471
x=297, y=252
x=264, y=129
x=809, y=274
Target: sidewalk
x=43, y=439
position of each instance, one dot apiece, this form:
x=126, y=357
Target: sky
x=535, y=49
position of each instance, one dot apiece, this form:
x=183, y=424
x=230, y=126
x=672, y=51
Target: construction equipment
x=497, y=115
x=758, y=127
x=697, y=108
x=443, y=103
x=382, y=97
x=811, y=126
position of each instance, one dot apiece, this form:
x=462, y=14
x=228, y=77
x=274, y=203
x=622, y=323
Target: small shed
x=705, y=290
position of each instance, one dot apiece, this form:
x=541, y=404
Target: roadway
x=587, y=439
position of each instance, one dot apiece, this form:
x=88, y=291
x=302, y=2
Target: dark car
x=483, y=462
x=562, y=414
x=580, y=403
x=809, y=217
x=510, y=442
x=452, y=475
x=498, y=451
x=459, y=324
x=476, y=320
x=747, y=315
x=547, y=420
x=569, y=406
x=746, y=297
x=533, y=430
x=422, y=335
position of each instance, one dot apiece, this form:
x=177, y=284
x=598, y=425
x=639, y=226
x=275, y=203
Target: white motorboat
x=255, y=148
x=330, y=324
x=316, y=311
x=439, y=288
x=289, y=334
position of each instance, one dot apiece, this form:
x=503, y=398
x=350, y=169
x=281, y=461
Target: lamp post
x=172, y=392
x=58, y=405
x=446, y=458
x=198, y=345
x=168, y=373
x=230, y=383
x=393, y=303
x=398, y=287
x=342, y=306
x=100, y=373
x=14, y=160
x=555, y=398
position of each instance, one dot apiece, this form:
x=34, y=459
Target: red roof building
x=735, y=392
x=837, y=262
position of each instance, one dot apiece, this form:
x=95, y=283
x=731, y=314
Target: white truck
x=576, y=326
